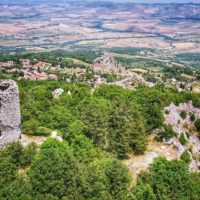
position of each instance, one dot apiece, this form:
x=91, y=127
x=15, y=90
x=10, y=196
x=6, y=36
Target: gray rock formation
x=9, y=112
x=183, y=126
x=107, y=60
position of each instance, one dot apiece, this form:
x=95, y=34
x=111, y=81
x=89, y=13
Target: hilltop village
x=104, y=69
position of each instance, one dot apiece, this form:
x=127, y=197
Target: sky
x=157, y=1
x=137, y=1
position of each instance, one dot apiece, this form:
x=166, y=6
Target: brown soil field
x=171, y=28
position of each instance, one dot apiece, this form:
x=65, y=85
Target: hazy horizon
x=118, y=1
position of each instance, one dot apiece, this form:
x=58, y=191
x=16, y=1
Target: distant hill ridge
x=102, y=1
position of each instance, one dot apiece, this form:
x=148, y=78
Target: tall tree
x=127, y=132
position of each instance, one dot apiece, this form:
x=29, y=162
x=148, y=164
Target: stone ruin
x=9, y=112
x=107, y=60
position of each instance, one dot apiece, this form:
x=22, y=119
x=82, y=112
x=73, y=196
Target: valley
x=99, y=100
x=159, y=31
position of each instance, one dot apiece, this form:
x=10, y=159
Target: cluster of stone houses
x=6, y=64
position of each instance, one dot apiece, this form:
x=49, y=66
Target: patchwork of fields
x=155, y=31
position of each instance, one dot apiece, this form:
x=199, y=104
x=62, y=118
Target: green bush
x=43, y=131
x=15, y=151
x=167, y=112
x=197, y=124
x=183, y=114
x=186, y=157
x=28, y=155
x=110, y=77
x=192, y=117
x=183, y=139
x=55, y=171
x=29, y=127
x=169, y=132
x=167, y=180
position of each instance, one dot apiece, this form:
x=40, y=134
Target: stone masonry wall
x=9, y=112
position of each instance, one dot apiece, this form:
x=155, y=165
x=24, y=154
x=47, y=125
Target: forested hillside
x=99, y=100
x=99, y=129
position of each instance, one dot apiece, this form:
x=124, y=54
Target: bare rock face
x=183, y=126
x=9, y=112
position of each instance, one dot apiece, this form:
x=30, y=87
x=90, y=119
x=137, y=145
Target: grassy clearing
x=79, y=62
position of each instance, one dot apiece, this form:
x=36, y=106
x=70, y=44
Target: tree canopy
x=98, y=129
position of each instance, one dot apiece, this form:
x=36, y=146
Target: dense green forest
x=99, y=128
x=53, y=57
x=80, y=171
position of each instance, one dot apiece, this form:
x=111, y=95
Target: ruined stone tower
x=9, y=112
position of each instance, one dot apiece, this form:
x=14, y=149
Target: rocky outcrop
x=9, y=112
x=108, y=60
x=174, y=119
x=106, y=64
x=184, y=126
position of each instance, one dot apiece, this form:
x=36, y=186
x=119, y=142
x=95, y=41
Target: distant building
x=26, y=63
x=58, y=92
x=6, y=64
x=106, y=64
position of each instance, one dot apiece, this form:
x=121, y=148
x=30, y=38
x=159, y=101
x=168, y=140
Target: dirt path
x=136, y=164
x=27, y=139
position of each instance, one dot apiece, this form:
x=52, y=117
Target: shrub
x=43, y=131
x=167, y=112
x=192, y=117
x=29, y=127
x=185, y=125
x=110, y=77
x=185, y=157
x=15, y=151
x=183, y=114
x=168, y=180
x=190, y=148
x=169, y=132
x=197, y=125
x=196, y=157
x=183, y=139
x=188, y=134
x=28, y=154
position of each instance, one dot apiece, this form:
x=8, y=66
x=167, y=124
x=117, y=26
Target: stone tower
x=9, y=112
